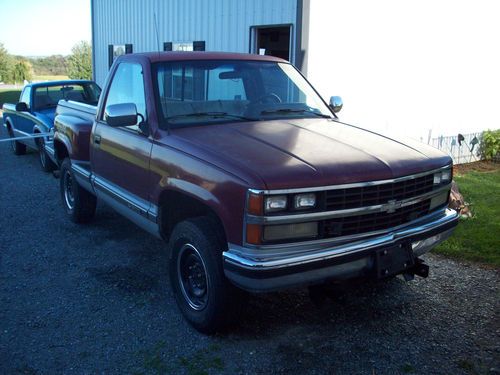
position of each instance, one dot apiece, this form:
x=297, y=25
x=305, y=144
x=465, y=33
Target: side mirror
x=121, y=114
x=336, y=104
x=22, y=107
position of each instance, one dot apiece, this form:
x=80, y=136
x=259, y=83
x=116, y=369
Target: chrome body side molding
x=81, y=171
x=137, y=210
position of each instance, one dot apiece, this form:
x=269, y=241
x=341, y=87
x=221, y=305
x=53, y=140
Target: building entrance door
x=272, y=41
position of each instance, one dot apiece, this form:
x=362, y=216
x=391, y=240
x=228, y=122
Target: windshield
x=49, y=96
x=207, y=92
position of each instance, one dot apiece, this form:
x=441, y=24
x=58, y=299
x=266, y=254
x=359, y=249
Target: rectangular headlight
x=446, y=175
x=442, y=177
x=275, y=203
x=304, y=201
x=290, y=231
x=437, y=178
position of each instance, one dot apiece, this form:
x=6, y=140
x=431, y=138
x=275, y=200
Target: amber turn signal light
x=254, y=234
x=255, y=204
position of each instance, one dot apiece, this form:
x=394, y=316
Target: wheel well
x=9, y=125
x=60, y=152
x=175, y=207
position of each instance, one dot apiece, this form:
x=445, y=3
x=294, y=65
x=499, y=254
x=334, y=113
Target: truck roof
x=191, y=55
x=59, y=83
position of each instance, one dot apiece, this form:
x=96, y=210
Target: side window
x=25, y=96
x=128, y=87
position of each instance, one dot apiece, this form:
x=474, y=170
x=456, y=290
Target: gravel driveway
x=96, y=299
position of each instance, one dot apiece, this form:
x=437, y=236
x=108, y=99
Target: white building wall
x=408, y=67
x=223, y=24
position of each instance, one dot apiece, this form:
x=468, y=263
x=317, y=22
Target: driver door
x=120, y=155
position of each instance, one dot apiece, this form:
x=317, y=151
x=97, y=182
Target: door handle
x=97, y=139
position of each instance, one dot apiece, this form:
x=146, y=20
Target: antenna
x=157, y=33
x=158, y=42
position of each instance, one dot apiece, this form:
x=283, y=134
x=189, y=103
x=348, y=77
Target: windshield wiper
x=290, y=110
x=211, y=114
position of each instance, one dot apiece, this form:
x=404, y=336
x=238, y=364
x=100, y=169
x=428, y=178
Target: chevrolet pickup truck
x=35, y=112
x=250, y=177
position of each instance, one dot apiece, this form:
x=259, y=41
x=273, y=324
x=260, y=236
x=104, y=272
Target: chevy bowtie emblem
x=392, y=206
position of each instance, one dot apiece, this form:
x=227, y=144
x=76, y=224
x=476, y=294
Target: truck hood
x=308, y=152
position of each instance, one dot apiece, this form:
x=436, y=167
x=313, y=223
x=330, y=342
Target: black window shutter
x=128, y=48
x=199, y=45
x=110, y=55
x=167, y=46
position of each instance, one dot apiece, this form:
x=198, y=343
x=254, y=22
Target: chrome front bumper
x=282, y=266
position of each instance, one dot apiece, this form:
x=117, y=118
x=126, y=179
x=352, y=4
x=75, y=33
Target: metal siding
x=223, y=24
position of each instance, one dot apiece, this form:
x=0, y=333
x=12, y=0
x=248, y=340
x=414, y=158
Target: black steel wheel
x=17, y=147
x=46, y=163
x=193, y=278
x=69, y=197
x=78, y=203
x=208, y=301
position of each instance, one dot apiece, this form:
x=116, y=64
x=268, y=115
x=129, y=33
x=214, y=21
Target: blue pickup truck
x=35, y=112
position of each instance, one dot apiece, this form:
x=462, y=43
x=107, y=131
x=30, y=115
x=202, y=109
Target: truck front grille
x=352, y=225
x=341, y=199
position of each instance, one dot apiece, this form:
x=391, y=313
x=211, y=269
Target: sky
x=44, y=27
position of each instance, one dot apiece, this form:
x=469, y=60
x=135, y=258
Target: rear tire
x=208, y=301
x=18, y=148
x=46, y=164
x=78, y=203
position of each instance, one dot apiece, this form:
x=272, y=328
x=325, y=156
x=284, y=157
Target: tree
x=5, y=64
x=55, y=65
x=22, y=71
x=80, y=61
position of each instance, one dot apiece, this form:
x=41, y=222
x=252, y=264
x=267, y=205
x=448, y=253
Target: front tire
x=18, y=148
x=78, y=203
x=205, y=297
x=46, y=164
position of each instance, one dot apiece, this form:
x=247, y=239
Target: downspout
x=93, y=39
x=302, y=35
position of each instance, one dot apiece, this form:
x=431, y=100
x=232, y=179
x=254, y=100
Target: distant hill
x=55, y=65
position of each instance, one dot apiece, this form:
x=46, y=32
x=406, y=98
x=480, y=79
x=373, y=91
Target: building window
x=115, y=50
x=198, y=45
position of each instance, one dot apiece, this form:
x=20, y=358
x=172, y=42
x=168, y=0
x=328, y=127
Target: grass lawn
x=49, y=78
x=9, y=96
x=12, y=95
x=477, y=238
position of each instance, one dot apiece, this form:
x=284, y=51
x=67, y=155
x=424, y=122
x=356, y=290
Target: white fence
x=466, y=152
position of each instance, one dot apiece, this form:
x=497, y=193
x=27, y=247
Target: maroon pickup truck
x=246, y=172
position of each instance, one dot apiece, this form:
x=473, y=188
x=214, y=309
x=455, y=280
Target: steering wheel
x=269, y=99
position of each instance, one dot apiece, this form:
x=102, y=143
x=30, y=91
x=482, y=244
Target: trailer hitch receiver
x=419, y=268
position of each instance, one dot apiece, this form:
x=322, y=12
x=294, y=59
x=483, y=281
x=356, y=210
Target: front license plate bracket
x=393, y=260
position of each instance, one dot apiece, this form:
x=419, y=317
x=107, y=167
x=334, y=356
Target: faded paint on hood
x=308, y=152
